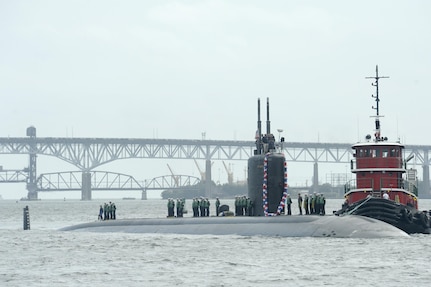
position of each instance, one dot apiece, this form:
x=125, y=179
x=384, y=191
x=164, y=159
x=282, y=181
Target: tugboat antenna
x=376, y=84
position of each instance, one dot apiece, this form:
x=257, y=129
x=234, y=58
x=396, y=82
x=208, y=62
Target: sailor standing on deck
x=243, y=205
x=171, y=206
x=249, y=207
x=207, y=207
x=105, y=211
x=217, y=204
x=238, y=206
x=195, y=207
x=198, y=207
x=312, y=204
x=300, y=203
x=101, y=213
x=289, y=203
x=317, y=204
x=202, y=207
x=306, y=204
x=178, y=207
x=113, y=210
x=110, y=210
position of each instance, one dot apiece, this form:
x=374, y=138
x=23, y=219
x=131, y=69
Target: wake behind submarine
x=267, y=187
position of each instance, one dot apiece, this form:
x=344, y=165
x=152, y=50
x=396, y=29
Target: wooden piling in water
x=26, y=219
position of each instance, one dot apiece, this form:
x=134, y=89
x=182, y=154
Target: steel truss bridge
x=100, y=180
x=87, y=154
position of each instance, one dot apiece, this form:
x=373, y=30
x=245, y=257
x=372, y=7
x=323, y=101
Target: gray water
x=45, y=256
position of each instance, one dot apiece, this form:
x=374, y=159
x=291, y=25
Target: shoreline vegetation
x=228, y=191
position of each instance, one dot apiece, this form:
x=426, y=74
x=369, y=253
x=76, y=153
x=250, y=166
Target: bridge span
x=89, y=153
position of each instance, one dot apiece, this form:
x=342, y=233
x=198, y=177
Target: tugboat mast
x=376, y=84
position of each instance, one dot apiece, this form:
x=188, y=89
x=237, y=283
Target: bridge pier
x=426, y=180
x=32, y=194
x=144, y=194
x=208, y=180
x=315, y=177
x=32, y=175
x=86, y=186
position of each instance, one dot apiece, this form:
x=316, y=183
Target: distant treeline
x=232, y=190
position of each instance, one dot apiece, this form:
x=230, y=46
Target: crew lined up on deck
x=201, y=207
x=107, y=211
x=180, y=207
x=314, y=204
x=244, y=206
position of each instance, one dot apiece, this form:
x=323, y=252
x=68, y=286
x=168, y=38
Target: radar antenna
x=377, y=116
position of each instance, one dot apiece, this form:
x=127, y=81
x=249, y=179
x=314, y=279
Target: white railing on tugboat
x=352, y=184
x=365, y=201
x=385, y=183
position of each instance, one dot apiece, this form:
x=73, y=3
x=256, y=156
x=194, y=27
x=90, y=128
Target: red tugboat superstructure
x=383, y=187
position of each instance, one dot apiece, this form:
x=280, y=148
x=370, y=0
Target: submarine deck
x=351, y=226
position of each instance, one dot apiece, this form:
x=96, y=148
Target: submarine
x=268, y=190
x=354, y=226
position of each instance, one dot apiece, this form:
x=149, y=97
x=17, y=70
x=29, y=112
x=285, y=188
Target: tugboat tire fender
x=408, y=216
x=424, y=220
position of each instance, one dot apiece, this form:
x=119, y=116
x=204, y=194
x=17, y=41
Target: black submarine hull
x=351, y=226
x=275, y=182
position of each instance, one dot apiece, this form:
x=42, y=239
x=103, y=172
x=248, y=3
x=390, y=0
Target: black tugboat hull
x=401, y=216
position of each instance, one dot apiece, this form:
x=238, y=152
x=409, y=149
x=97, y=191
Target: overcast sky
x=177, y=69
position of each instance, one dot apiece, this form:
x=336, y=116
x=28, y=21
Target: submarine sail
x=267, y=178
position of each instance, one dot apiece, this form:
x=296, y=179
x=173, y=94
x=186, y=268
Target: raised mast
x=377, y=116
x=268, y=122
x=259, y=130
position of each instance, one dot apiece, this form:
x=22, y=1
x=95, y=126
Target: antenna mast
x=377, y=116
x=259, y=130
x=268, y=122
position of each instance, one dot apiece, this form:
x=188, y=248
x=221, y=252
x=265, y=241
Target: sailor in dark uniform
x=306, y=204
x=217, y=204
x=300, y=203
x=289, y=203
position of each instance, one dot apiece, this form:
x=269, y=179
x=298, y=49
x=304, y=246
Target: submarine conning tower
x=266, y=171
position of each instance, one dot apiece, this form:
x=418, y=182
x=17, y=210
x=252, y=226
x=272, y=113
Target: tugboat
x=384, y=188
